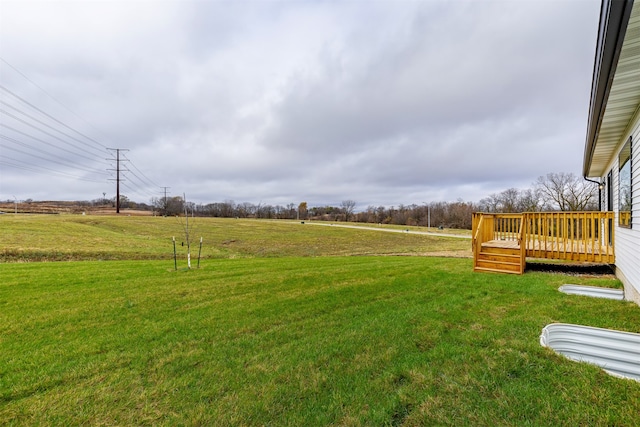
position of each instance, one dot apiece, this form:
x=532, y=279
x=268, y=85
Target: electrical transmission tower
x=117, y=170
x=164, y=207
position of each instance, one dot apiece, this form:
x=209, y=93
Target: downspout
x=600, y=186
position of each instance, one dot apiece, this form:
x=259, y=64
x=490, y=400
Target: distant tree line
x=125, y=203
x=551, y=192
x=455, y=214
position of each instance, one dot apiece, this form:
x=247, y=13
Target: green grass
x=75, y=237
x=283, y=325
x=298, y=341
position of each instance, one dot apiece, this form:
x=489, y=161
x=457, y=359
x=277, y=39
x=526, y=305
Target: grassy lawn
x=298, y=341
x=75, y=237
x=266, y=333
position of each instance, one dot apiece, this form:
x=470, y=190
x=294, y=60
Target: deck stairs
x=499, y=260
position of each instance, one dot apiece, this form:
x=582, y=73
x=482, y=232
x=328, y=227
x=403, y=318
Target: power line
x=47, y=125
x=22, y=144
x=149, y=181
x=144, y=183
x=41, y=169
x=50, y=96
x=141, y=180
x=25, y=118
x=143, y=187
x=47, y=133
x=43, y=141
x=144, y=180
x=134, y=191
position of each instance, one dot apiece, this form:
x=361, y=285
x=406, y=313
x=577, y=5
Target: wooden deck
x=570, y=251
x=502, y=242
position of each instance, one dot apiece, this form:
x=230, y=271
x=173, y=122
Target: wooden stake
x=175, y=256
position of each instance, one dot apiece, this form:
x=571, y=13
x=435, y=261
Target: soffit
x=624, y=99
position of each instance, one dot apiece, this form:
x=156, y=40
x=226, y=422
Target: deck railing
x=506, y=227
x=579, y=236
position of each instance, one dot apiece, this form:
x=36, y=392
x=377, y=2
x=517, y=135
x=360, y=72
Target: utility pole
x=117, y=159
x=164, y=207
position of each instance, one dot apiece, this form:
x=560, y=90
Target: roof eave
x=614, y=18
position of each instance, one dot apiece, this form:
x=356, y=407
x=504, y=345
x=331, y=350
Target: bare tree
x=490, y=204
x=510, y=200
x=507, y=201
x=347, y=208
x=169, y=206
x=291, y=211
x=530, y=200
x=566, y=192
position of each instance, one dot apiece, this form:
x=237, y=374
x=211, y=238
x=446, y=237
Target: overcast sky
x=381, y=102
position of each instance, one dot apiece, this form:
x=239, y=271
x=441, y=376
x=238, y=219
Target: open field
x=77, y=237
x=270, y=335
x=410, y=228
x=58, y=207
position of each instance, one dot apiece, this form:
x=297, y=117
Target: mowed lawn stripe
x=298, y=341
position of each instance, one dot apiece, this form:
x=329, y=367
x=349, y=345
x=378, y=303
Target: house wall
x=627, y=240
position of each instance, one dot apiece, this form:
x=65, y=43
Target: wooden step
x=507, y=267
x=499, y=260
x=490, y=256
x=494, y=270
x=498, y=250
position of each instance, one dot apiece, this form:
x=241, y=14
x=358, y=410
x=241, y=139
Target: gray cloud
x=380, y=102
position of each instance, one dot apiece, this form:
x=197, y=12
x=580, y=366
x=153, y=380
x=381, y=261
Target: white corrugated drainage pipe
x=593, y=291
x=618, y=353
